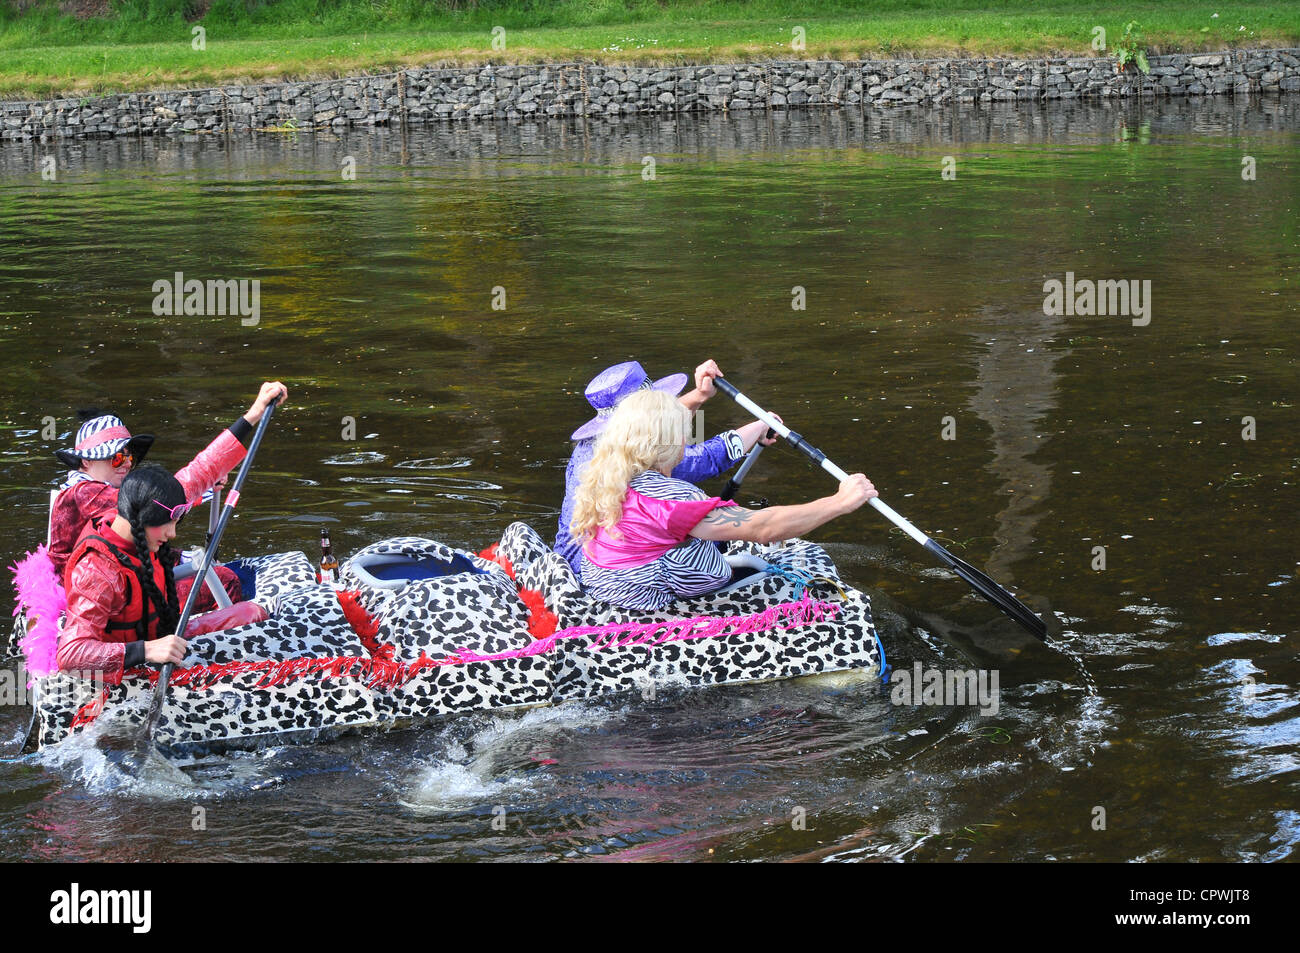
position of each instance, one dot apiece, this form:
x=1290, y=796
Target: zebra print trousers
x=689, y=569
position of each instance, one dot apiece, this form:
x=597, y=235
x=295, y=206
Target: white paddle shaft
x=881, y=506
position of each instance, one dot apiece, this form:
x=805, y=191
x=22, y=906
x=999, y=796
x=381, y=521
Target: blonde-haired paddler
x=645, y=535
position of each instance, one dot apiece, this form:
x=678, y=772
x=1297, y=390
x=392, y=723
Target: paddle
x=981, y=583
x=212, y=580
x=232, y=500
x=729, y=491
x=214, y=513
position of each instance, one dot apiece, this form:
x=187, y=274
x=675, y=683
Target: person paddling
x=123, y=599
x=645, y=533
x=103, y=455
x=701, y=461
x=105, y=452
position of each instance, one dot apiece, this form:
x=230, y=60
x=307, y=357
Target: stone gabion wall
x=530, y=92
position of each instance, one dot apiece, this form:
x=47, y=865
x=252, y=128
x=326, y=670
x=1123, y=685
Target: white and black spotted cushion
x=583, y=671
x=416, y=548
x=308, y=623
x=522, y=546
x=445, y=616
x=471, y=611
x=280, y=574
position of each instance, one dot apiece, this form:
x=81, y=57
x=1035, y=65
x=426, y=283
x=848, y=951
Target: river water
x=1133, y=476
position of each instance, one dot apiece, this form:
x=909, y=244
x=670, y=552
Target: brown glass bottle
x=329, y=566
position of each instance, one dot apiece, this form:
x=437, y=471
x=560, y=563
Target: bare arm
x=782, y=522
x=755, y=431
x=704, y=388
x=767, y=525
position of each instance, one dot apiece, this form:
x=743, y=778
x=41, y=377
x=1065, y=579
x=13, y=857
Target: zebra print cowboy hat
x=613, y=384
x=101, y=437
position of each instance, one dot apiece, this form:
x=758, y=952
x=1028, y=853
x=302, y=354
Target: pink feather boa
x=41, y=594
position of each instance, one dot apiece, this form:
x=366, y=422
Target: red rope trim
x=364, y=624
x=385, y=674
x=89, y=711
x=541, y=620
x=492, y=555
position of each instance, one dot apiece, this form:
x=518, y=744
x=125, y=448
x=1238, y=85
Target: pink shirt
x=649, y=528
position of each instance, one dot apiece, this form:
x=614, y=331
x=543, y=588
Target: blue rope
x=885, y=667
x=799, y=579
x=801, y=582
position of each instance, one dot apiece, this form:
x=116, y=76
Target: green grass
x=146, y=44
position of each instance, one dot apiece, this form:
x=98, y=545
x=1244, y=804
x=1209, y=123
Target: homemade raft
x=418, y=630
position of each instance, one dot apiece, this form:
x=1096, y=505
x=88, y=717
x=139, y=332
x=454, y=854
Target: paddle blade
x=991, y=591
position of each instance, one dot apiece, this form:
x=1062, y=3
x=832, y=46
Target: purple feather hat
x=613, y=384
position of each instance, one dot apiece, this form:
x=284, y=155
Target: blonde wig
x=647, y=431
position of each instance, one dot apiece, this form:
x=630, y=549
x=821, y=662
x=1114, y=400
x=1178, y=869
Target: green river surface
x=924, y=301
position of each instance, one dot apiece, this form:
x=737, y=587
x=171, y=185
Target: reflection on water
x=419, y=407
x=1017, y=387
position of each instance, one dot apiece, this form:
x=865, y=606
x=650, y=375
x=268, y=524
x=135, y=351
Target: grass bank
x=116, y=45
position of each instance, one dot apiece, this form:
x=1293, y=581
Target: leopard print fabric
x=424, y=626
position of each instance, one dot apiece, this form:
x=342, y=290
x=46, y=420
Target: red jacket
x=107, y=600
x=98, y=591
x=89, y=500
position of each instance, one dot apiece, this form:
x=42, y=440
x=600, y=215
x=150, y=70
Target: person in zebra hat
x=700, y=462
x=646, y=535
x=105, y=450
x=104, y=453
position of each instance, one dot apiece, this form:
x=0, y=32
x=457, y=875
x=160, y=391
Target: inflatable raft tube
x=418, y=630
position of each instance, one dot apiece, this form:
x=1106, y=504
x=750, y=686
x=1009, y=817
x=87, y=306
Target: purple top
x=701, y=462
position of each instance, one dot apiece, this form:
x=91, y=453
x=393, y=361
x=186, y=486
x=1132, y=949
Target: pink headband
x=109, y=433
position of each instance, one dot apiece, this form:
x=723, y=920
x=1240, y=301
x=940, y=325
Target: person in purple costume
x=701, y=462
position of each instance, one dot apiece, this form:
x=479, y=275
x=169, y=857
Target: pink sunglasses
x=175, y=512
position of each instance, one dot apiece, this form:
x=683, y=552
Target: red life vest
x=122, y=627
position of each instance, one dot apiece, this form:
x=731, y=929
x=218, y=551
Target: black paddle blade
x=156, y=703
x=991, y=591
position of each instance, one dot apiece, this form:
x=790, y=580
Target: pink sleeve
x=241, y=613
x=92, y=600
x=213, y=462
x=65, y=527
x=73, y=509
x=686, y=513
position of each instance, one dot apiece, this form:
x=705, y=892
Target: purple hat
x=611, y=385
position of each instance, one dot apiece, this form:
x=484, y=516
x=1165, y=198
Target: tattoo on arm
x=729, y=516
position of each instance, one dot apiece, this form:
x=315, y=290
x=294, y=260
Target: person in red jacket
x=104, y=454
x=123, y=603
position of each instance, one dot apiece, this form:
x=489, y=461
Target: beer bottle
x=329, y=566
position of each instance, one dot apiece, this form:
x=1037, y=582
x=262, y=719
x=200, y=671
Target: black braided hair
x=136, y=504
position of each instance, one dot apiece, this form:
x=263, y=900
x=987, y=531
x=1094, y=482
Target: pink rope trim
x=617, y=635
